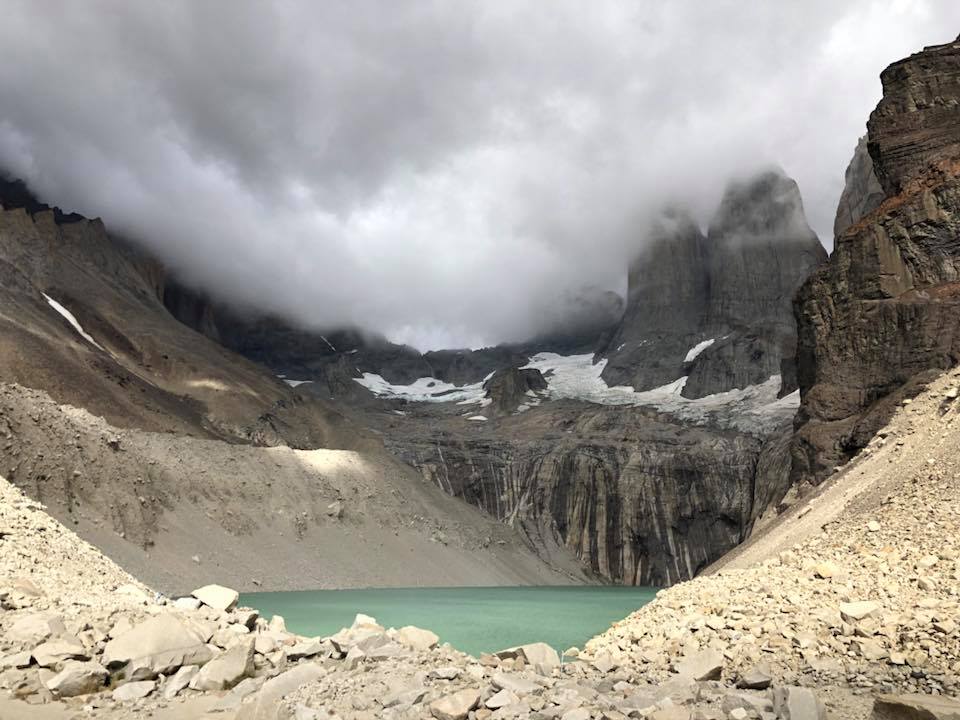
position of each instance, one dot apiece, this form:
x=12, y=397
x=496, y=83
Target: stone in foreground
x=916, y=707
x=796, y=703
x=456, y=706
x=539, y=655
x=157, y=646
x=217, y=596
x=265, y=702
x=757, y=678
x=417, y=638
x=78, y=678
x=134, y=690
x=226, y=670
x=860, y=610
x=705, y=665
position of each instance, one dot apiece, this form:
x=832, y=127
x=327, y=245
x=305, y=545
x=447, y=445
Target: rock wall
x=732, y=287
x=638, y=498
x=885, y=311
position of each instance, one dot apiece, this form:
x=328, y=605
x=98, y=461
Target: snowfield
x=426, y=389
x=577, y=377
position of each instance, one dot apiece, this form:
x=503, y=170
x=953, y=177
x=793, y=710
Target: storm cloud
x=443, y=172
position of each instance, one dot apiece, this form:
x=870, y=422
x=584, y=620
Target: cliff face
x=639, y=498
x=861, y=191
x=886, y=309
x=730, y=290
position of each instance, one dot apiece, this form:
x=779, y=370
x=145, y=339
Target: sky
x=447, y=173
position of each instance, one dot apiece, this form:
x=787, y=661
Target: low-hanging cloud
x=442, y=172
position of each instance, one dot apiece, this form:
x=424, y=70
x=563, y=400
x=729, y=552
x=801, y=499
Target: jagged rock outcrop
x=510, y=387
x=886, y=309
x=914, y=126
x=717, y=309
x=861, y=191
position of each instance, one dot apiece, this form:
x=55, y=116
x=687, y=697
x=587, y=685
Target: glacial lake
x=473, y=620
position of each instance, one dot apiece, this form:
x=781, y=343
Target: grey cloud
x=442, y=172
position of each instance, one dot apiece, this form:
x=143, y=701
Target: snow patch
x=698, y=348
x=295, y=383
x=481, y=418
x=73, y=321
x=427, y=389
x=329, y=344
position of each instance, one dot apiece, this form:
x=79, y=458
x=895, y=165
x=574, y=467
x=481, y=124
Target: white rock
x=159, y=645
x=134, y=690
x=187, y=603
x=417, y=638
x=77, y=678
x=456, y=706
x=179, y=680
x=53, y=653
x=227, y=669
x=217, y=596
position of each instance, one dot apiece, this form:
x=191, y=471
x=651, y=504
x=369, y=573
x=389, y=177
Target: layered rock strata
x=886, y=309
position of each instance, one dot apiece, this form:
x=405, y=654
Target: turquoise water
x=473, y=620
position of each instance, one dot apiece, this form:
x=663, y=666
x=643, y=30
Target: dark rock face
x=733, y=286
x=667, y=301
x=508, y=388
x=885, y=311
x=861, y=192
x=640, y=499
x=914, y=125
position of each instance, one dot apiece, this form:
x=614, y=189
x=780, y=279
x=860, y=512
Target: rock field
x=859, y=614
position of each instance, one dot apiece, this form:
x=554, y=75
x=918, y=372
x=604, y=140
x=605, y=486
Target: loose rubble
x=863, y=613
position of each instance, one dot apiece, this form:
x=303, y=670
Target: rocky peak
x=915, y=123
x=717, y=309
x=861, y=191
x=884, y=313
x=761, y=250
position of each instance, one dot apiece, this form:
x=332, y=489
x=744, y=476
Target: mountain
x=716, y=309
x=186, y=461
x=883, y=315
x=645, y=484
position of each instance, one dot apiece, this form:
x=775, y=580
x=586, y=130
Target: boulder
x=187, y=603
x=77, y=678
x=417, y=638
x=705, y=665
x=456, y=706
x=501, y=699
x=915, y=707
x=304, y=649
x=227, y=669
x=851, y=612
x=451, y=672
x=134, y=690
x=217, y=596
x=265, y=704
x=796, y=703
x=179, y=680
x=535, y=654
x=757, y=678
x=158, y=645
x=35, y=628
x=53, y=653
x=515, y=684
